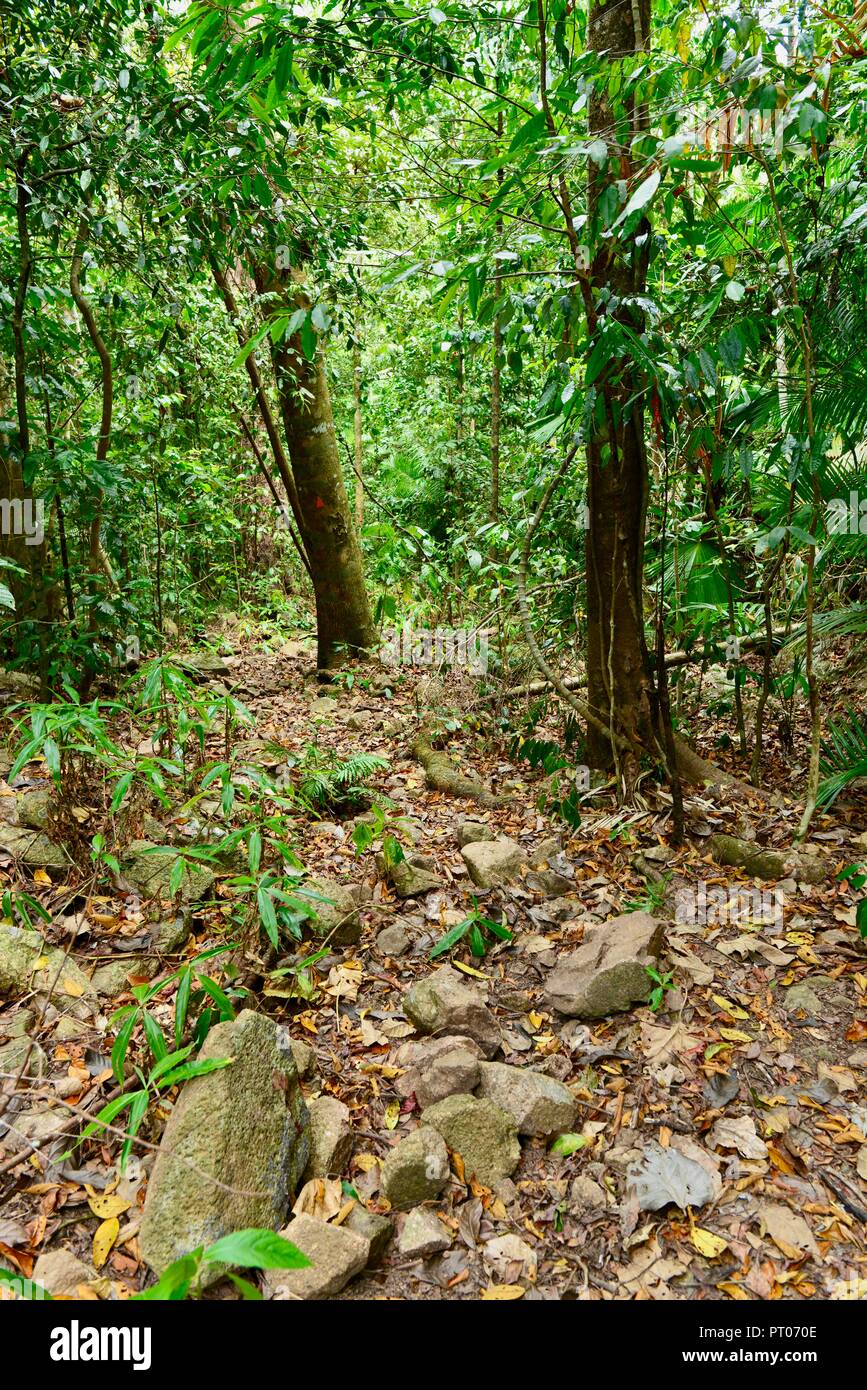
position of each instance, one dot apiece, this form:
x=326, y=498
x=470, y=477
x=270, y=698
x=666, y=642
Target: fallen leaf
x=106, y=1207
x=707, y=1244
x=104, y=1237
x=502, y=1293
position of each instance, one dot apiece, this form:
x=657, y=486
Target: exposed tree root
x=442, y=776
x=697, y=770
x=767, y=863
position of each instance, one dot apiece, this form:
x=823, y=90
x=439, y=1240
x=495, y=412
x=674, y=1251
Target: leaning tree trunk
x=620, y=685
x=344, y=625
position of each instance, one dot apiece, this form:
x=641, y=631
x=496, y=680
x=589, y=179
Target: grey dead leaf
x=861, y=1164
x=660, y=1044
x=840, y=1076
x=370, y=1034
x=687, y=961
x=721, y=1088
x=664, y=1176
x=649, y=1271
x=788, y=1230
x=510, y=1259
x=739, y=1134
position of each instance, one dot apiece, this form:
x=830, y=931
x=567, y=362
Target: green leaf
x=451, y=938
x=182, y=1002
x=107, y=1114
x=136, y=1115
x=154, y=1034
x=174, y=1282
x=566, y=1144
x=256, y=1249
x=641, y=197
x=188, y=1070
x=254, y=851
x=121, y=1045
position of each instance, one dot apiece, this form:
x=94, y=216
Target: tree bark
x=358, y=454
x=620, y=685
x=344, y=625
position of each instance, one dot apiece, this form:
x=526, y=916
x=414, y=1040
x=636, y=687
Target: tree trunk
x=356, y=427
x=620, y=686
x=344, y=625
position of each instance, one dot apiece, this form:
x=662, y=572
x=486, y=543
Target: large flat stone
x=492, y=863
x=446, y=1002
x=539, y=1104
x=244, y=1127
x=335, y=1255
x=608, y=972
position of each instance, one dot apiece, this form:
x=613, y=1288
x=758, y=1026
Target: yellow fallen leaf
x=42, y=878
x=729, y=1007
x=735, y=1035
x=502, y=1292
x=104, y=1237
x=535, y=1020
x=105, y=1207
x=74, y=988
x=734, y=1291
x=41, y=963
x=392, y=1114
x=365, y=1162
x=707, y=1244
x=468, y=970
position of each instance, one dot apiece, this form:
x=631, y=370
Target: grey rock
x=202, y=665
x=172, y=935
x=472, y=832
x=245, y=1125
x=587, y=1195
x=337, y=918
x=492, y=863
x=446, y=1002
x=550, y=884
x=330, y=1138
x=416, y=1169
x=68, y=1029
x=608, y=972
x=22, y=950
x=545, y=850
x=35, y=1128
x=335, y=1255
x=423, y=1234
x=33, y=849
x=482, y=1133
x=147, y=868
x=14, y=1053
x=420, y=1053
x=111, y=979
x=801, y=998
x=34, y=809
x=322, y=707
x=393, y=940
x=539, y=1104
x=305, y=1058
x=374, y=1228
x=451, y=1073
x=410, y=878
x=17, y=685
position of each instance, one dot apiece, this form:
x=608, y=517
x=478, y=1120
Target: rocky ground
x=518, y=1124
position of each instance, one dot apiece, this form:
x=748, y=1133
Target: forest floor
x=753, y=1066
